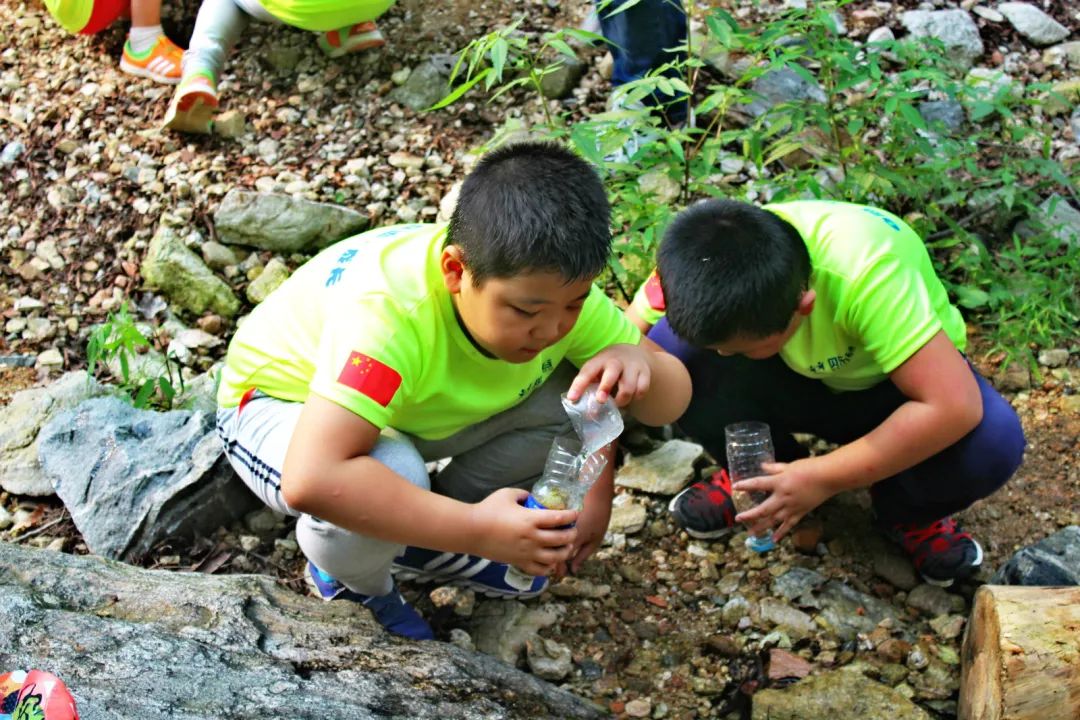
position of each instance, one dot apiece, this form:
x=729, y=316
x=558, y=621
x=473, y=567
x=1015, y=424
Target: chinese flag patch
x=370, y=377
x=654, y=293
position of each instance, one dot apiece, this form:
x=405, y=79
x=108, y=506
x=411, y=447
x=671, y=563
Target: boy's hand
x=626, y=366
x=793, y=492
x=534, y=541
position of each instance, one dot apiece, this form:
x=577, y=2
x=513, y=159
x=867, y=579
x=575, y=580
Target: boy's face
x=759, y=348
x=514, y=318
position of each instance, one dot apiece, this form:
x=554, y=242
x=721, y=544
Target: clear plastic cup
x=749, y=446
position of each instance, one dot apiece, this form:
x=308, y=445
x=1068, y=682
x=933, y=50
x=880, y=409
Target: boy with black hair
x=419, y=342
x=828, y=318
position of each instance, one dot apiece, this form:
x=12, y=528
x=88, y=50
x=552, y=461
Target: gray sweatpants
x=506, y=450
x=217, y=28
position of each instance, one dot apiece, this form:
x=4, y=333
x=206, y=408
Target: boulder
x=955, y=29
x=844, y=693
x=135, y=644
x=132, y=478
x=1054, y=560
x=1031, y=22
x=664, y=471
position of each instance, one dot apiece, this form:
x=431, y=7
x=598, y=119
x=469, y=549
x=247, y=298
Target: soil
x=102, y=246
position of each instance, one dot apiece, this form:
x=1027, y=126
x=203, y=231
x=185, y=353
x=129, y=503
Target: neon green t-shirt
x=369, y=324
x=878, y=298
x=325, y=15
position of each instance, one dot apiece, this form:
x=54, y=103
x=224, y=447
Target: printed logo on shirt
x=545, y=369
x=370, y=377
x=833, y=363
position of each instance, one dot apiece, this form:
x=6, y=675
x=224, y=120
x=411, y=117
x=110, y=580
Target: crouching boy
x=418, y=342
x=828, y=318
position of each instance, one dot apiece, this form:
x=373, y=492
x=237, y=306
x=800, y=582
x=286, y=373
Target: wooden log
x=1021, y=655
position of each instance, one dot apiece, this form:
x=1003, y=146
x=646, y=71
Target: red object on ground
x=38, y=691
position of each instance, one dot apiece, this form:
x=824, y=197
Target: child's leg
x=255, y=441
x=217, y=28
x=351, y=39
x=148, y=52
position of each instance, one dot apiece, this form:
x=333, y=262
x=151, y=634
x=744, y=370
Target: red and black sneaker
x=705, y=509
x=940, y=551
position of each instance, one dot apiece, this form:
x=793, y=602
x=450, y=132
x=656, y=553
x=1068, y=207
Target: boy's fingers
x=580, y=382
x=754, y=484
x=555, y=518
x=607, y=382
x=774, y=468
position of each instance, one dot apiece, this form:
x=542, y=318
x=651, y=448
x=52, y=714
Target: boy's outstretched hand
x=534, y=541
x=624, y=369
x=793, y=492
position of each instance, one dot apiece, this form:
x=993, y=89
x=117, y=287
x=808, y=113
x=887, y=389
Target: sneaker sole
x=699, y=534
x=410, y=574
x=196, y=115
x=132, y=69
x=949, y=583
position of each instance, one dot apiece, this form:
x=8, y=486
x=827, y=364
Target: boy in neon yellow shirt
x=828, y=318
x=419, y=342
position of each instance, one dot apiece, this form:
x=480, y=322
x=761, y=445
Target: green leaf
x=560, y=45
x=970, y=297
x=145, y=391
x=459, y=90
x=498, y=57
x=909, y=113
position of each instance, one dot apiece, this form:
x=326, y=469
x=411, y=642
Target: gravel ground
x=96, y=174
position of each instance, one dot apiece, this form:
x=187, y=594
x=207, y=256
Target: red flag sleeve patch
x=654, y=293
x=367, y=375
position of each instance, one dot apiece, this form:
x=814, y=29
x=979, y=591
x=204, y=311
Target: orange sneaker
x=161, y=63
x=362, y=36
x=193, y=105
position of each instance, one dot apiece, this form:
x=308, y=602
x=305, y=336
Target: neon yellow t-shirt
x=368, y=324
x=325, y=15
x=878, y=298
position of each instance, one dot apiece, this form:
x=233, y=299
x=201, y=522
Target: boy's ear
x=453, y=269
x=806, y=302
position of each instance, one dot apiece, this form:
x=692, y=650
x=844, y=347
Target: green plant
x=118, y=342
x=854, y=130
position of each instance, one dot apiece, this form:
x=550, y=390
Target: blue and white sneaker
x=391, y=610
x=493, y=579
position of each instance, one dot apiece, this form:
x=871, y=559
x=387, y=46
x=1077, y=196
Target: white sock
x=143, y=38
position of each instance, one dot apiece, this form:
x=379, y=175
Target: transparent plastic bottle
x=555, y=490
x=749, y=446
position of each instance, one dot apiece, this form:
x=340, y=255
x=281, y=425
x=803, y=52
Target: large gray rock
x=1054, y=560
x=1031, y=22
x=955, y=29
x=182, y=276
x=845, y=693
x=1055, y=217
x=283, y=224
x=135, y=644
x=131, y=478
x=20, y=425
x=561, y=80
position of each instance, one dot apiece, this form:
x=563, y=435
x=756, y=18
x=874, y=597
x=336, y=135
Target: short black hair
x=532, y=206
x=731, y=269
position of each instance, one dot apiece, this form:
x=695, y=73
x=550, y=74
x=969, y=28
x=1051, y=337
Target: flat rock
x=503, y=627
x=1034, y=24
x=664, y=471
x=842, y=693
x=627, y=518
x=954, y=28
x=1056, y=217
x=182, y=276
x=1054, y=560
x=283, y=224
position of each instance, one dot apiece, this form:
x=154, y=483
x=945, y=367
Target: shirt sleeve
x=368, y=361
x=648, y=301
x=890, y=310
x=600, y=325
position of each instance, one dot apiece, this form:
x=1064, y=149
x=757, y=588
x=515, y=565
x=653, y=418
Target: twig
x=42, y=528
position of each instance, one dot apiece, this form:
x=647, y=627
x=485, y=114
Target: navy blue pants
x=642, y=38
x=735, y=388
